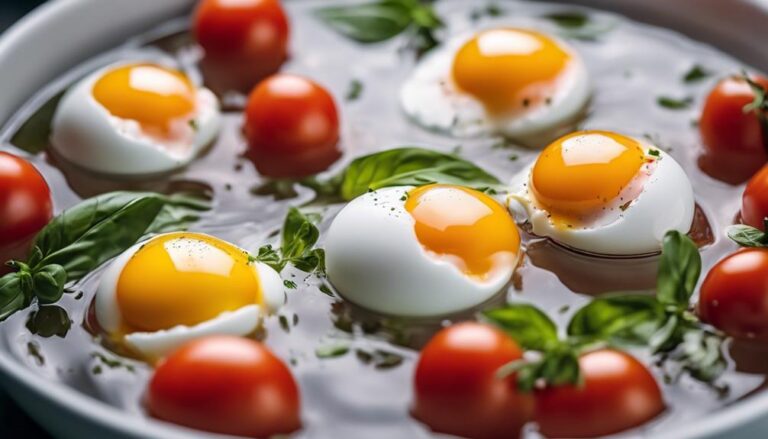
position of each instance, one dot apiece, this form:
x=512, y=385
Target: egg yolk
x=149, y=94
x=582, y=172
x=466, y=225
x=509, y=69
x=184, y=279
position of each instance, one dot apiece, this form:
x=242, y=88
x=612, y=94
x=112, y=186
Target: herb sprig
x=665, y=324
x=297, y=245
x=758, y=106
x=748, y=236
x=85, y=236
x=384, y=19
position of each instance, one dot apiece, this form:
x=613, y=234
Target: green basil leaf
x=12, y=295
x=179, y=211
x=679, y=269
x=299, y=234
x=747, y=236
x=368, y=22
x=34, y=135
x=48, y=283
x=561, y=368
x=528, y=325
x=85, y=236
x=674, y=103
x=268, y=255
x=48, y=321
x=696, y=73
x=625, y=319
x=702, y=355
x=569, y=19
x=409, y=167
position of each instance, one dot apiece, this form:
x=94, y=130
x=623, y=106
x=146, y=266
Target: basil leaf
x=409, y=167
x=48, y=283
x=702, y=355
x=528, y=325
x=629, y=319
x=747, y=236
x=561, y=368
x=34, y=135
x=48, y=321
x=679, y=269
x=368, y=22
x=674, y=103
x=569, y=20
x=179, y=211
x=12, y=296
x=299, y=237
x=98, y=229
x=695, y=74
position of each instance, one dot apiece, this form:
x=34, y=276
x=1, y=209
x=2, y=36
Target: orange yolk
x=149, y=94
x=509, y=69
x=465, y=224
x=184, y=279
x=582, y=172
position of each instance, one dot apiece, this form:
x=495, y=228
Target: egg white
x=374, y=259
x=665, y=203
x=431, y=99
x=157, y=344
x=87, y=135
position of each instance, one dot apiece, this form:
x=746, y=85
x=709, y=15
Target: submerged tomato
x=244, y=41
x=618, y=393
x=456, y=388
x=25, y=200
x=227, y=385
x=734, y=147
x=734, y=295
x=292, y=127
x=754, y=202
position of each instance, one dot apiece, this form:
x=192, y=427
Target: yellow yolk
x=582, y=172
x=464, y=224
x=184, y=279
x=151, y=95
x=509, y=69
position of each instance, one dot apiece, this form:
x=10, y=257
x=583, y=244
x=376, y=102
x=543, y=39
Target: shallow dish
x=82, y=28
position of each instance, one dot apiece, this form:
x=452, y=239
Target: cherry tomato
x=754, y=202
x=228, y=385
x=244, y=41
x=734, y=147
x=292, y=127
x=734, y=295
x=618, y=393
x=25, y=200
x=456, y=388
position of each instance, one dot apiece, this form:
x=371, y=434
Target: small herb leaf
x=528, y=325
x=696, y=73
x=369, y=22
x=747, y=236
x=679, y=269
x=630, y=319
x=674, y=103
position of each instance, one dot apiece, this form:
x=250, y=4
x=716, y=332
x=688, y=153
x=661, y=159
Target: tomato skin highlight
x=25, y=200
x=734, y=295
x=456, y=388
x=618, y=393
x=226, y=384
x=734, y=147
x=754, y=201
x=292, y=127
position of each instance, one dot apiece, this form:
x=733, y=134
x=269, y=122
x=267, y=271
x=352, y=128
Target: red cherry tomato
x=754, y=202
x=456, y=388
x=618, y=393
x=25, y=200
x=734, y=295
x=734, y=147
x=245, y=29
x=228, y=385
x=292, y=127
x=245, y=41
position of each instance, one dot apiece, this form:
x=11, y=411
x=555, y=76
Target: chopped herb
x=654, y=152
x=696, y=73
x=193, y=124
x=33, y=349
x=289, y=284
x=625, y=206
x=673, y=103
x=512, y=157
x=354, y=91
x=569, y=20
x=325, y=289
x=332, y=350
x=284, y=323
x=563, y=309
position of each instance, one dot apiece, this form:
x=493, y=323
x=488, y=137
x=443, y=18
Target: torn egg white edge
x=533, y=129
x=615, y=235
x=84, y=132
x=238, y=322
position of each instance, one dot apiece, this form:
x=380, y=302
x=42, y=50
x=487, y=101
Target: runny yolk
x=579, y=174
x=149, y=94
x=468, y=226
x=184, y=279
x=509, y=69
